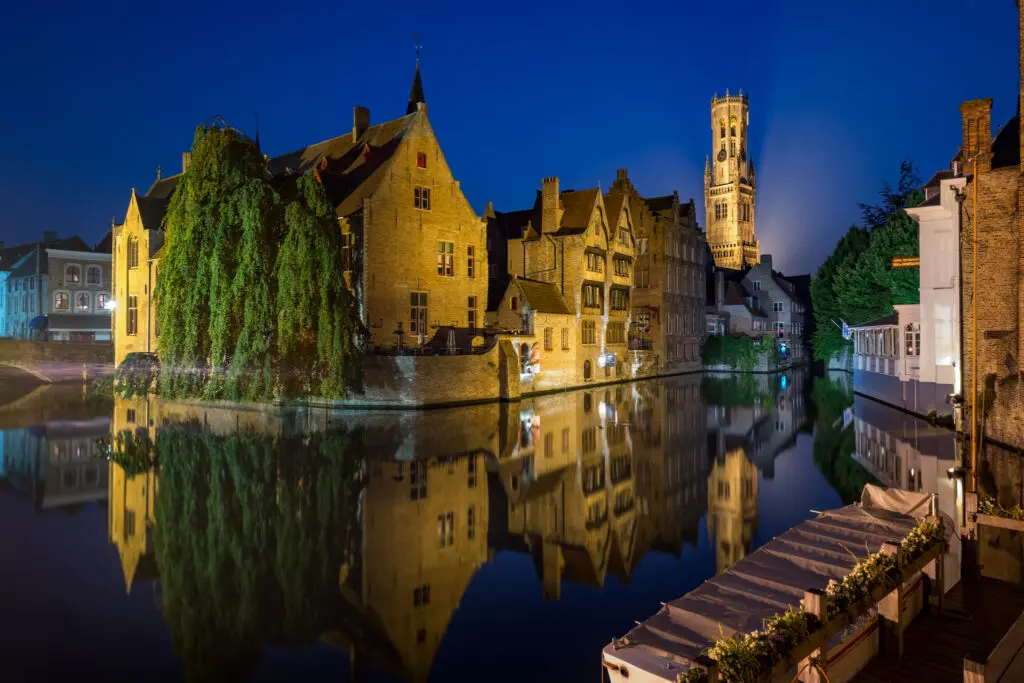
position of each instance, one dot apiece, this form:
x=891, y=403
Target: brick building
x=414, y=248
x=668, y=276
x=729, y=185
x=572, y=240
x=995, y=175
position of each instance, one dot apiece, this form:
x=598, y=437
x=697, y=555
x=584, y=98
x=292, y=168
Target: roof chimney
x=360, y=121
x=976, y=116
x=549, y=201
x=766, y=260
x=186, y=161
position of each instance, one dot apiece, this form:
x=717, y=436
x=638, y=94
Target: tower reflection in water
x=364, y=530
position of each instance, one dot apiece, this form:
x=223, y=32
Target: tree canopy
x=856, y=283
x=251, y=300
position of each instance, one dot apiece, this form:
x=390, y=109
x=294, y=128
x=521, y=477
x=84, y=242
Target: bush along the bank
x=745, y=657
x=741, y=353
x=137, y=374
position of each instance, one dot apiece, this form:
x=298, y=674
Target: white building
x=911, y=358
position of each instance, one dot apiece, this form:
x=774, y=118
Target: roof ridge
x=342, y=135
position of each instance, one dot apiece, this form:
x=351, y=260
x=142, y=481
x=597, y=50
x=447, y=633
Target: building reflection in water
x=48, y=450
x=365, y=529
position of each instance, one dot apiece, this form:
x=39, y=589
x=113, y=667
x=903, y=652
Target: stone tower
x=729, y=185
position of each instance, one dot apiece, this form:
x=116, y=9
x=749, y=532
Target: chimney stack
x=360, y=121
x=976, y=116
x=186, y=161
x=766, y=260
x=549, y=203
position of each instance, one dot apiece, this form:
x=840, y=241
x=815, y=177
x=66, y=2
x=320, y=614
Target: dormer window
x=421, y=160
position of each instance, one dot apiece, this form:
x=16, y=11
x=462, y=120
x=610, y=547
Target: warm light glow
x=110, y=305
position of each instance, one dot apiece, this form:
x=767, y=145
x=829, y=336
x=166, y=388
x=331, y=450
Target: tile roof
x=659, y=204
x=578, y=206
x=543, y=297
x=11, y=255
x=613, y=204
x=105, y=245
x=163, y=188
x=935, y=180
x=152, y=210
x=512, y=224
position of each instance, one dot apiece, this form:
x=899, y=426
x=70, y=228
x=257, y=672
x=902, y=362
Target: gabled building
x=571, y=240
x=414, y=250
x=668, y=276
x=59, y=290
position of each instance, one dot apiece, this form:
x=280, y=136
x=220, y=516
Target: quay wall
x=18, y=351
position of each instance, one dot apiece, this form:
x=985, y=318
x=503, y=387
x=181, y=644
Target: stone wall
x=409, y=381
x=26, y=352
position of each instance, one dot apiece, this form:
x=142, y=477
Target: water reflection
x=366, y=531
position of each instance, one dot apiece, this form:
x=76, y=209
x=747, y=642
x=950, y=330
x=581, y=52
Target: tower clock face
x=721, y=155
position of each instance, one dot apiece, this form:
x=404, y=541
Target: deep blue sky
x=96, y=95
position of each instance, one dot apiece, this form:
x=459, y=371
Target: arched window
x=83, y=302
x=102, y=299
x=93, y=275
x=912, y=339
x=61, y=301
x=587, y=369
x=72, y=273
x=732, y=126
x=133, y=252
x=514, y=304
x=721, y=125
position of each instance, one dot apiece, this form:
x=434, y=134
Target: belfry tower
x=729, y=185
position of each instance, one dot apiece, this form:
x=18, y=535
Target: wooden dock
x=980, y=611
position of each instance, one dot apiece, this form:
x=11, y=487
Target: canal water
x=151, y=540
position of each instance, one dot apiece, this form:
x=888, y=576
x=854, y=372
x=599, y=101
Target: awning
x=38, y=323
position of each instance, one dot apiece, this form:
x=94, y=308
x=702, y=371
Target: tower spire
x=416, y=93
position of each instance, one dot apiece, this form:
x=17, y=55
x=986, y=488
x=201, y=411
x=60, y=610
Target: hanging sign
x=906, y=262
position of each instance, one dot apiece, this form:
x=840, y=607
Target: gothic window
x=133, y=252
x=721, y=125
x=732, y=148
x=732, y=126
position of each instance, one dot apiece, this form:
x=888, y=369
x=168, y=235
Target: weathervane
x=416, y=44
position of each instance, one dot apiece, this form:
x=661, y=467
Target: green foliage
x=137, y=374
x=740, y=352
x=834, y=444
x=248, y=278
x=988, y=506
x=134, y=451
x=737, y=390
x=856, y=282
x=250, y=534
x=318, y=327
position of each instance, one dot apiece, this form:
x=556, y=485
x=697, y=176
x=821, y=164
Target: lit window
x=102, y=299
x=418, y=312
x=82, y=302
x=61, y=301
x=912, y=335
x=421, y=160
x=72, y=273
x=446, y=259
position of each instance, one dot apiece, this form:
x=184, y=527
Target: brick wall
x=18, y=351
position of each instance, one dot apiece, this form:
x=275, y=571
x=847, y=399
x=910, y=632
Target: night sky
x=96, y=95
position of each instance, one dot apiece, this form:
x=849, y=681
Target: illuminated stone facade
x=729, y=185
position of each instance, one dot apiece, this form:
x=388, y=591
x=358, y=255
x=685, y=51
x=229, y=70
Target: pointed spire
x=158, y=173
x=707, y=165
x=416, y=93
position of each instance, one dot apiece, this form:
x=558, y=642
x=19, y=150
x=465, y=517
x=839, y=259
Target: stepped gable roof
x=891, y=319
x=543, y=297
x=577, y=205
x=1006, y=146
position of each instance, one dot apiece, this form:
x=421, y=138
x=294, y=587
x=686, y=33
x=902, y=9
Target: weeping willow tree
x=250, y=536
x=319, y=332
x=242, y=314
